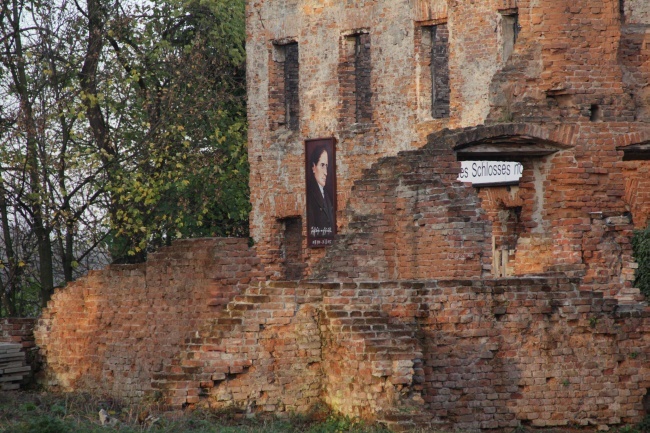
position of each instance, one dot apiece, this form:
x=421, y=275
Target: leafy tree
x=187, y=170
x=46, y=177
x=123, y=126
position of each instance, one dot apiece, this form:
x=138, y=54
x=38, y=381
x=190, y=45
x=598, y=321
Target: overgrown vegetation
x=76, y=413
x=641, y=251
x=123, y=127
x=31, y=412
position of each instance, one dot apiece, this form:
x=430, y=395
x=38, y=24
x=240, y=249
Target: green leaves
x=134, y=139
x=641, y=252
x=185, y=172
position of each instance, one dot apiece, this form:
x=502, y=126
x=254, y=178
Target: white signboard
x=490, y=172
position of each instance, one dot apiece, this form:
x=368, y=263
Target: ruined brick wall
x=410, y=219
x=558, y=62
x=484, y=354
x=113, y=330
x=328, y=76
x=261, y=354
x=554, y=74
x=637, y=191
x=465, y=353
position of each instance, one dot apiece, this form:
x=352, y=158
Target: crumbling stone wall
x=637, y=191
x=261, y=354
x=410, y=218
x=484, y=354
x=277, y=153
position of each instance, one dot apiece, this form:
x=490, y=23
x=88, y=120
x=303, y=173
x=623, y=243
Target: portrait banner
x=320, y=180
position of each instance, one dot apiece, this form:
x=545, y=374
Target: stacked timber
x=13, y=366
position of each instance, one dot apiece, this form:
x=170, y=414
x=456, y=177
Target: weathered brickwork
x=112, y=330
x=468, y=353
x=439, y=303
x=431, y=46
x=637, y=191
x=410, y=219
x=557, y=62
x=388, y=120
x=284, y=74
x=483, y=354
x=261, y=354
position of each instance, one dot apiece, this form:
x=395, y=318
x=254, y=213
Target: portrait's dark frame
x=316, y=239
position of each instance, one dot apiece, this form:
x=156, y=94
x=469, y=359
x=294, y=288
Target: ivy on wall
x=641, y=251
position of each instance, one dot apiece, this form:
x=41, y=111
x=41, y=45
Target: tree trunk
x=8, y=292
x=39, y=226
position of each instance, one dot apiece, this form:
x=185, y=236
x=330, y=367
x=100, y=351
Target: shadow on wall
x=197, y=325
x=489, y=353
x=482, y=354
x=409, y=218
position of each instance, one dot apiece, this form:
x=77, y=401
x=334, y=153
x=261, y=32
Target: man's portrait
x=321, y=191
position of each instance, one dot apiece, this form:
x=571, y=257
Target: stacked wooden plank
x=13, y=367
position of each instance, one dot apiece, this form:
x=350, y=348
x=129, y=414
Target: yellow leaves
x=105, y=154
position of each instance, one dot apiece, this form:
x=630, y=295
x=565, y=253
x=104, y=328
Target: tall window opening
x=506, y=231
x=509, y=31
x=355, y=78
x=432, y=48
x=292, y=248
x=284, y=80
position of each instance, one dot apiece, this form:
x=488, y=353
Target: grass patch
x=30, y=412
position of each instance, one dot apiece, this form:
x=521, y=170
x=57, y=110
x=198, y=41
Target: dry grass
x=37, y=412
x=32, y=412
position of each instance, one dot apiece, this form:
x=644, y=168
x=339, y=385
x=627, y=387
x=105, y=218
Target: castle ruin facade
x=426, y=299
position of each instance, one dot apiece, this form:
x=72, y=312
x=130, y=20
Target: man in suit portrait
x=320, y=213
